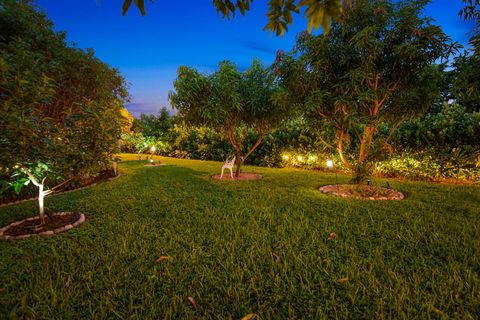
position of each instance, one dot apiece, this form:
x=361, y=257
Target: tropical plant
x=280, y=12
x=230, y=102
x=374, y=67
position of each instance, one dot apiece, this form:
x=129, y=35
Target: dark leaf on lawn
x=279, y=259
x=162, y=258
x=194, y=304
x=332, y=236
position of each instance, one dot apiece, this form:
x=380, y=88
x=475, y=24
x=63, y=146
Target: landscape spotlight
x=285, y=157
x=300, y=158
x=329, y=163
x=153, y=149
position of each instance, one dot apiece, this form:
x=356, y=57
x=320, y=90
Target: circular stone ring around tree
x=30, y=227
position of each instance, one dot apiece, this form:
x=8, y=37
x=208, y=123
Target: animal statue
x=228, y=164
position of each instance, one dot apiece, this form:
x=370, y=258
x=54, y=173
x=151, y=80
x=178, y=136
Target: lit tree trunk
x=341, y=136
x=41, y=195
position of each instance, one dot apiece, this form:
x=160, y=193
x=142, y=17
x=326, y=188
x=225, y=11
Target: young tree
x=374, y=67
x=230, y=102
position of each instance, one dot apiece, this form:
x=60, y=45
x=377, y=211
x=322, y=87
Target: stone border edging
x=80, y=220
x=397, y=194
x=58, y=193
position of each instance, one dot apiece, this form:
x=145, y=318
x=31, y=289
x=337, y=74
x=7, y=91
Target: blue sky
x=148, y=50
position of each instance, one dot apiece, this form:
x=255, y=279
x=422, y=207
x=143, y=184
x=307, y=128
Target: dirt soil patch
x=362, y=192
x=156, y=164
x=243, y=176
x=55, y=223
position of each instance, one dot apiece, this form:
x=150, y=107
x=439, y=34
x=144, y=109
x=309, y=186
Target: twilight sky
x=148, y=50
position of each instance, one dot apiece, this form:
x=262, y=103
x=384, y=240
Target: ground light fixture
x=330, y=167
x=152, y=152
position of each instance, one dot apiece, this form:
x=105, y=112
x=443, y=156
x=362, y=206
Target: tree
x=466, y=83
x=60, y=106
x=154, y=126
x=319, y=13
x=230, y=102
x=374, y=67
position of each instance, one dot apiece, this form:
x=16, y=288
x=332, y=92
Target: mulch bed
x=30, y=227
x=154, y=164
x=362, y=192
x=243, y=176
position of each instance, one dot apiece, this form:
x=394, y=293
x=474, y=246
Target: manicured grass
x=417, y=258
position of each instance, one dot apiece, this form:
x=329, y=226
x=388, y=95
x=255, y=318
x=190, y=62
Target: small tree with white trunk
x=36, y=174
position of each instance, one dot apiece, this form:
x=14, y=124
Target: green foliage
x=154, y=126
x=231, y=102
x=374, y=67
x=59, y=105
x=318, y=13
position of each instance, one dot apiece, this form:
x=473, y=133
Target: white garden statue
x=228, y=164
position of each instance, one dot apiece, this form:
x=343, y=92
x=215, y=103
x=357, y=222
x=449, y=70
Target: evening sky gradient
x=148, y=50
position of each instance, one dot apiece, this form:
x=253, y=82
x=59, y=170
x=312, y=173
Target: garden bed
x=362, y=192
x=31, y=227
x=243, y=176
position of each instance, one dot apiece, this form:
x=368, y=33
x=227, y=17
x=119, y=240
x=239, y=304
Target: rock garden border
x=60, y=229
x=379, y=193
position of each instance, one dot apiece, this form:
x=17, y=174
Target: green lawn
x=417, y=258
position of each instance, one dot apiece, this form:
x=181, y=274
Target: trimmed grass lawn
x=246, y=247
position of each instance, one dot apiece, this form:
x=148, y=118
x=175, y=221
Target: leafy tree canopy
x=60, y=106
x=318, y=13
x=375, y=66
x=230, y=101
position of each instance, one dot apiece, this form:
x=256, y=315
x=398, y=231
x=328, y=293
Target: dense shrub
x=442, y=145
x=60, y=106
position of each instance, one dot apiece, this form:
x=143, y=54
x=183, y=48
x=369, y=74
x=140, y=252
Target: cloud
x=256, y=46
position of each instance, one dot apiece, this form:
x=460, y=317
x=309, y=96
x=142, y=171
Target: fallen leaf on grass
x=249, y=316
x=438, y=311
x=343, y=280
x=69, y=281
x=161, y=258
x=332, y=236
x=279, y=259
x=194, y=304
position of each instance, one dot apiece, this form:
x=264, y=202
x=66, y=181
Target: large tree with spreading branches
x=374, y=67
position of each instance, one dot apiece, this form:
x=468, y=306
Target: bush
x=59, y=106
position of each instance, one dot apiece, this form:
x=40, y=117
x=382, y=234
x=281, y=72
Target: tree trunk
x=340, y=148
x=239, y=165
x=365, y=143
x=41, y=197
